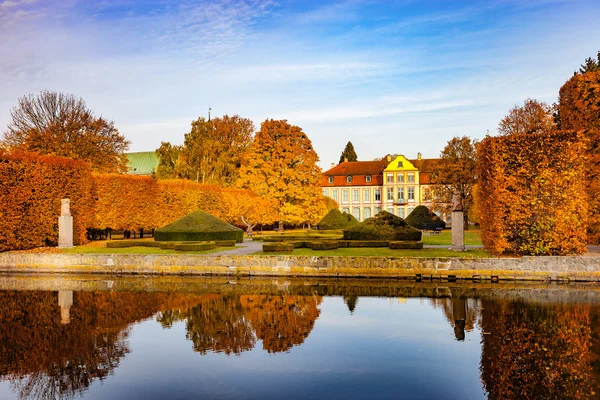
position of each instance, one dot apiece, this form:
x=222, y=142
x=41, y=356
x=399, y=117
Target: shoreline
x=528, y=268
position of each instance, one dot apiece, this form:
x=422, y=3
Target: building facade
x=364, y=188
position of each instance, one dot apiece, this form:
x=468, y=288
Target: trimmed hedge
x=195, y=246
x=132, y=243
x=198, y=227
x=335, y=219
x=323, y=245
x=300, y=244
x=383, y=226
x=273, y=247
x=406, y=245
x=225, y=243
x=363, y=243
x=423, y=218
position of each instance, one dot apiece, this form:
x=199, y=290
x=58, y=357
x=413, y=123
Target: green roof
x=142, y=163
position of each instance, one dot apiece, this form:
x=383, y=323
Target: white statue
x=65, y=207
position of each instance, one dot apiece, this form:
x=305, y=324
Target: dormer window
x=330, y=179
x=368, y=178
x=349, y=179
x=400, y=165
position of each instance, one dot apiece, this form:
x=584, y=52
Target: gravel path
x=241, y=249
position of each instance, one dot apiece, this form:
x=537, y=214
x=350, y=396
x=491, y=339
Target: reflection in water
x=56, y=344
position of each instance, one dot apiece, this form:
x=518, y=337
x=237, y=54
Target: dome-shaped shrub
x=383, y=226
x=422, y=218
x=335, y=219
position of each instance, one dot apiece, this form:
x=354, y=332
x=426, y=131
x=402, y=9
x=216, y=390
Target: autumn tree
x=212, y=150
x=168, y=161
x=590, y=65
x=242, y=207
x=533, y=117
x=282, y=165
x=348, y=154
x=61, y=124
x=454, y=171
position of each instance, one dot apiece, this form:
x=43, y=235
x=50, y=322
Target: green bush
x=422, y=218
x=198, y=226
x=277, y=247
x=383, y=226
x=300, y=244
x=336, y=219
x=168, y=245
x=406, y=245
x=323, y=245
x=118, y=244
x=195, y=246
x=225, y=243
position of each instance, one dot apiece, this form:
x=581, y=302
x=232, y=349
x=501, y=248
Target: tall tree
x=533, y=117
x=282, y=165
x=455, y=171
x=212, y=150
x=348, y=154
x=168, y=161
x=61, y=124
x=590, y=65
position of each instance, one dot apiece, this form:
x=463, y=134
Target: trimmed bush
x=276, y=247
x=423, y=218
x=225, y=243
x=383, y=226
x=168, y=245
x=300, y=244
x=406, y=245
x=195, y=246
x=132, y=243
x=198, y=226
x=335, y=219
x=363, y=243
x=323, y=245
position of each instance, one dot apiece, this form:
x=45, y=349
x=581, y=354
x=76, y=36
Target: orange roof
x=424, y=165
x=358, y=170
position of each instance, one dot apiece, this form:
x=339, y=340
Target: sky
x=389, y=76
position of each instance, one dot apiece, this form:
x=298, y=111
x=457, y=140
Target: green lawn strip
x=381, y=252
x=138, y=250
x=472, y=238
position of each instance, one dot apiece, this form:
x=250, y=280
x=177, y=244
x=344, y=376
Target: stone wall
x=543, y=268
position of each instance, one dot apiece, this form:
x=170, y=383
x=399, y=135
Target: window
x=377, y=194
x=344, y=195
x=400, y=164
x=401, y=212
x=400, y=194
x=377, y=210
x=366, y=213
x=411, y=177
x=334, y=194
x=410, y=209
x=356, y=213
x=355, y=196
x=390, y=194
x=349, y=179
x=330, y=179
x=390, y=210
x=389, y=178
x=325, y=192
x=368, y=178
x=400, y=178
x=411, y=194
x=346, y=210
x=366, y=195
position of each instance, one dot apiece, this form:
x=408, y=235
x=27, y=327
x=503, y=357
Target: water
x=178, y=338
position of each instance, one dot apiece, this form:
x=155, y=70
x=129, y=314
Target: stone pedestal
x=65, y=232
x=65, y=301
x=458, y=231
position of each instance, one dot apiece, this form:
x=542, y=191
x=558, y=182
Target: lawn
x=381, y=252
x=135, y=250
x=472, y=237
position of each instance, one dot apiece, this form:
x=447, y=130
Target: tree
x=168, y=161
x=244, y=207
x=455, y=171
x=212, y=150
x=590, y=65
x=282, y=165
x=533, y=117
x=348, y=154
x=61, y=124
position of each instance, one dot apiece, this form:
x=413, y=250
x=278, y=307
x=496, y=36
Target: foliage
x=324, y=245
x=422, y=218
x=383, y=226
x=348, y=154
x=168, y=161
x=195, y=246
x=31, y=187
x=281, y=165
x=590, y=65
x=335, y=219
x=277, y=246
x=243, y=207
x=198, y=226
x=60, y=124
x=383, y=252
x=406, y=245
x=454, y=171
x=533, y=117
x=532, y=196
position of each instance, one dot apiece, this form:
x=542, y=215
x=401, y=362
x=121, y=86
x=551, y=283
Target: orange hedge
x=532, y=193
x=31, y=187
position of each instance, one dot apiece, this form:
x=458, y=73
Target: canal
x=108, y=337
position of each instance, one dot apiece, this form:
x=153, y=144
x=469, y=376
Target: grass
x=136, y=250
x=472, y=238
x=381, y=252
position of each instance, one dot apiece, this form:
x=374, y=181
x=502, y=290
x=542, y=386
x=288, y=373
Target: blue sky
x=390, y=76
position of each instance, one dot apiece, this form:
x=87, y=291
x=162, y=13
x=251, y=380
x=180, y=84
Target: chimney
x=389, y=158
x=332, y=164
x=419, y=156
x=345, y=159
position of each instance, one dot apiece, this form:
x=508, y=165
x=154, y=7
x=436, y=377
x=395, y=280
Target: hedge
x=383, y=226
x=335, y=219
x=194, y=246
x=31, y=187
x=225, y=243
x=196, y=227
x=423, y=218
x=406, y=245
x=273, y=247
x=531, y=197
x=323, y=245
x=132, y=243
x=363, y=243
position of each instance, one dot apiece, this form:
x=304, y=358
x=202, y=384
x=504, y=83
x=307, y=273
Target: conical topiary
x=383, y=226
x=198, y=226
x=335, y=219
x=422, y=218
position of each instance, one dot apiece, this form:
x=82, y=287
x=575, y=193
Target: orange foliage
x=31, y=187
x=532, y=193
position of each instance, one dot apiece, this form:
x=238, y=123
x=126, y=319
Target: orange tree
x=281, y=165
x=531, y=193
